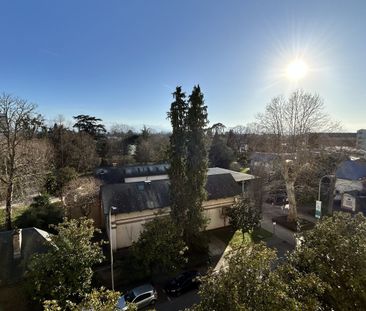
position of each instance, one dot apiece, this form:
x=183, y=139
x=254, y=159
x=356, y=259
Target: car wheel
x=153, y=302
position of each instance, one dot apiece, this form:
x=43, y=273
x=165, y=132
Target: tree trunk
x=290, y=189
x=9, y=199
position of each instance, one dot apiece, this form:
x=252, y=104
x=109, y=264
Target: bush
x=41, y=214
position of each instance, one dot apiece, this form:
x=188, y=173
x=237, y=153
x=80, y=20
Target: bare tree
x=290, y=122
x=81, y=195
x=23, y=157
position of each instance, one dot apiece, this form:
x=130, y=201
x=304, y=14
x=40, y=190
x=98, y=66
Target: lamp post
x=111, y=242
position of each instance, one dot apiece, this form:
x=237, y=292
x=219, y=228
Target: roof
x=139, y=196
x=33, y=241
x=111, y=175
x=352, y=170
x=238, y=176
x=115, y=175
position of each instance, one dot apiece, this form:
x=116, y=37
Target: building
x=138, y=200
x=16, y=249
x=361, y=140
x=350, y=186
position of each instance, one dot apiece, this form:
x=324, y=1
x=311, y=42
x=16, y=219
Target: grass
x=16, y=212
x=256, y=236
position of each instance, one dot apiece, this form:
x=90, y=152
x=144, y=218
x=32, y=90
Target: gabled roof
x=352, y=170
x=32, y=242
x=139, y=196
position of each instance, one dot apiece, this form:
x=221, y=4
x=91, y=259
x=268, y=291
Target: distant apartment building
x=361, y=139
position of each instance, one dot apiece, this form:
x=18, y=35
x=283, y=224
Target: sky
x=121, y=60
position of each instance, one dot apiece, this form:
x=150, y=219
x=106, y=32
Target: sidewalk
x=269, y=212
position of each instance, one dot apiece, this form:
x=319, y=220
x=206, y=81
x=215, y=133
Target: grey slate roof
x=352, y=170
x=112, y=175
x=140, y=196
x=33, y=241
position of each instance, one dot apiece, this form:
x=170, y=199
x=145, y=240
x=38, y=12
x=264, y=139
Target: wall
x=126, y=227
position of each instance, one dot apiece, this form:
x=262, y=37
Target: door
x=142, y=300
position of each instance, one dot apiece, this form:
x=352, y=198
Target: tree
x=65, y=272
x=178, y=158
x=97, y=299
x=196, y=163
x=220, y=154
x=41, y=214
x=57, y=180
x=335, y=251
x=24, y=158
x=248, y=282
x=81, y=195
x=290, y=122
x=244, y=215
x=160, y=247
x=90, y=125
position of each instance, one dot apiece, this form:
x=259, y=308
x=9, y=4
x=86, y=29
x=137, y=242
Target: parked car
x=142, y=296
x=277, y=198
x=182, y=283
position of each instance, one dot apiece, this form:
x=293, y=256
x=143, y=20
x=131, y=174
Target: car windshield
x=130, y=296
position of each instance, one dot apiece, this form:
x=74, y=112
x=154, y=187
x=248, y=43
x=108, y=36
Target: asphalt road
x=178, y=303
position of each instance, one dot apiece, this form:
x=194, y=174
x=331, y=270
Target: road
x=179, y=303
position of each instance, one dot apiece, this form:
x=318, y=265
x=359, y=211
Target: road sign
x=318, y=209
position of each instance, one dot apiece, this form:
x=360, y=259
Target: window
x=142, y=297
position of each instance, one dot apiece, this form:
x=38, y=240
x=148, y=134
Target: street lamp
x=274, y=227
x=111, y=242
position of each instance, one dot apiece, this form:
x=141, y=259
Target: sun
x=297, y=70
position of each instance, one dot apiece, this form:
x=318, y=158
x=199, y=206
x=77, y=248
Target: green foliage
x=90, y=125
x=65, y=272
x=220, y=155
x=335, y=251
x=97, y=299
x=244, y=215
x=188, y=161
x=196, y=164
x=58, y=179
x=248, y=282
x=160, y=247
x=40, y=214
x=178, y=157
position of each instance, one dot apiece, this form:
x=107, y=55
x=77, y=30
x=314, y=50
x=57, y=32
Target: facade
x=350, y=186
x=131, y=204
x=361, y=139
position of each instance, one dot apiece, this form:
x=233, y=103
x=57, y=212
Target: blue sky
x=121, y=60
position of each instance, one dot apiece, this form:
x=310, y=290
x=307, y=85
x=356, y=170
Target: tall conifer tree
x=178, y=157
x=196, y=167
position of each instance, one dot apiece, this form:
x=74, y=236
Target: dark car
x=182, y=283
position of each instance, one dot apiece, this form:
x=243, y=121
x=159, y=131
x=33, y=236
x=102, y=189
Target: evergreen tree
x=177, y=157
x=196, y=167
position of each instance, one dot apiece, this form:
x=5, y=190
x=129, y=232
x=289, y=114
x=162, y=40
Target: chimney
x=17, y=243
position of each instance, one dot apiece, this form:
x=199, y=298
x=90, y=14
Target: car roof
x=143, y=289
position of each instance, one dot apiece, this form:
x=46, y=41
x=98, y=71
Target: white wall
x=126, y=227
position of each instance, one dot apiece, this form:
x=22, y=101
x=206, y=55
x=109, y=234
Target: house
x=350, y=186
x=16, y=249
x=131, y=204
x=350, y=175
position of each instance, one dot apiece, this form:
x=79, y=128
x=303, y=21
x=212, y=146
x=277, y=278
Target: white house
x=133, y=203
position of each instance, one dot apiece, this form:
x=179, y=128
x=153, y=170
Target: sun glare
x=297, y=70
